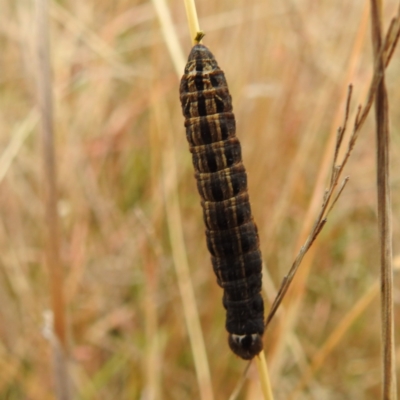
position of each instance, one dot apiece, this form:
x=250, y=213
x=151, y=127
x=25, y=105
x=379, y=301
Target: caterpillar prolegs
x=231, y=233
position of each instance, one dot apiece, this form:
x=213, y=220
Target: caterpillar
x=231, y=234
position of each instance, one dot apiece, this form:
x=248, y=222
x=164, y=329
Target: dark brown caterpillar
x=231, y=233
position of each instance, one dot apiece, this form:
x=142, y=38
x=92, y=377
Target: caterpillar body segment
x=231, y=234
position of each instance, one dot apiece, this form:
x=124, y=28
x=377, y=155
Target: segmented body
x=231, y=233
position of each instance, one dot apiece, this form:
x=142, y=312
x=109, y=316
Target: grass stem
x=45, y=100
x=193, y=20
x=49, y=169
x=384, y=209
x=264, y=376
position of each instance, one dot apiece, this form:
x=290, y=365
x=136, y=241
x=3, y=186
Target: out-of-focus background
x=127, y=196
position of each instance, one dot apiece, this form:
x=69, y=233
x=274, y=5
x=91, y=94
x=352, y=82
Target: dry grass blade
x=170, y=36
x=193, y=21
x=46, y=114
x=264, y=379
x=45, y=100
x=264, y=376
x=384, y=210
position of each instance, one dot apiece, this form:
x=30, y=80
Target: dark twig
x=341, y=130
x=392, y=39
x=339, y=192
x=384, y=206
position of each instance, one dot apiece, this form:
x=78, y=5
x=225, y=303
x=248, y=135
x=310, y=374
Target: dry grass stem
x=50, y=175
x=389, y=388
x=44, y=90
x=193, y=21
x=170, y=36
x=264, y=376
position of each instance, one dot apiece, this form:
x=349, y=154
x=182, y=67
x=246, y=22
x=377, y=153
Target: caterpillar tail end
x=246, y=346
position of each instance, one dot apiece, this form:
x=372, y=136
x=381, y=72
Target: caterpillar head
x=246, y=346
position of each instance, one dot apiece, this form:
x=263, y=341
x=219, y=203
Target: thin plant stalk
x=384, y=210
x=193, y=20
x=170, y=36
x=45, y=102
x=264, y=376
x=49, y=170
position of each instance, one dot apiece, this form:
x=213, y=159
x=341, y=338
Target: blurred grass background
x=117, y=114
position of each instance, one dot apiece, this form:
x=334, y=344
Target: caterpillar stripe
x=231, y=234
